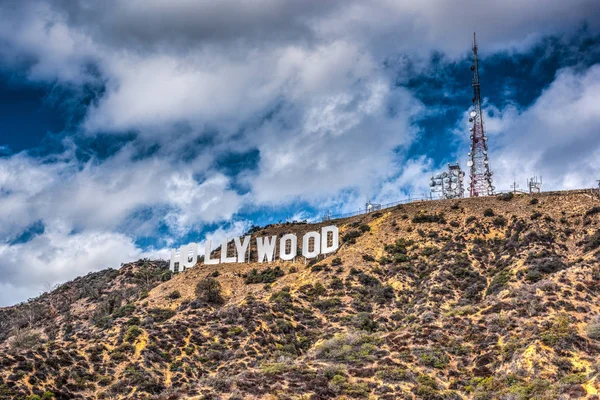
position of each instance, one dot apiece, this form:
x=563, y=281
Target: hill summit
x=482, y=298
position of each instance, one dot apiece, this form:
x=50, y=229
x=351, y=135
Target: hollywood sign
x=313, y=244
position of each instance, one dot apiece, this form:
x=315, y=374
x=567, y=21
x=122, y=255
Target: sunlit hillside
x=484, y=298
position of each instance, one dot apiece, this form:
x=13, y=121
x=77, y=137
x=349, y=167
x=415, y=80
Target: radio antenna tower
x=481, y=176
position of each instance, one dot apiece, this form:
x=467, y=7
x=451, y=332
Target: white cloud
x=22, y=181
x=344, y=140
x=58, y=255
x=198, y=203
x=101, y=196
x=221, y=63
x=412, y=181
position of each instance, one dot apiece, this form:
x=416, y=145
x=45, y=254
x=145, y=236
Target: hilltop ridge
x=483, y=298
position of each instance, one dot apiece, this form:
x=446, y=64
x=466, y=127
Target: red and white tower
x=481, y=176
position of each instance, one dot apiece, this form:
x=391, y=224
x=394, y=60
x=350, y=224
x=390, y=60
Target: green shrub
x=397, y=251
x=234, y=331
x=348, y=347
x=535, y=215
x=46, y=396
x=488, y=212
x=174, y=295
x=161, y=314
x=101, y=321
x=533, y=276
x=560, y=331
x=282, y=298
x=332, y=371
x=357, y=389
x=365, y=322
x=268, y=275
x=336, y=261
x=543, y=263
x=336, y=283
x=122, y=352
x=384, y=260
x=125, y=310
x=499, y=282
x=534, y=201
x=318, y=290
x=328, y=304
x=574, y=379
x=428, y=251
x=499, y=221
x=428, y=388
x=592, y=211
x=132, y=333
x=276, y=368
x=434, y=358
x=591, y=242
x=351, y=236
x=505, y=196
x=317, y=267
x=429, y=218
x=593, y=331
x=394, y=374
x=364, y=228
x=25, y=339
x=537, y=389
x=209, y=290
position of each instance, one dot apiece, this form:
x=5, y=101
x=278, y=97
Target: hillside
x=484, y=298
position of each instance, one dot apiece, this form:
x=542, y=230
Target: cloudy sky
x=131, y=126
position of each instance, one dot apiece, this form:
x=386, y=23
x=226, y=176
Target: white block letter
x=175, y=258
x=317, y=245
x=224, y=258
x=184, y=258
x=335, y=243
x=293, y=247
x=266, y=248
x=242, y=248
x=207, y=259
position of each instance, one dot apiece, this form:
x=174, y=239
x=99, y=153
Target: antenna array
x=449, y=184
x=370, y=207
x=534, y=184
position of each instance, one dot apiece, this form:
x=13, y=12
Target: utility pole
x=515, y=186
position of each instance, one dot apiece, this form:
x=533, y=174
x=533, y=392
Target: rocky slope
x=486, y=298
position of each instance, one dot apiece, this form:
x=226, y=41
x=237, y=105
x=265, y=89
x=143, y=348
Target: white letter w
x=266, y=249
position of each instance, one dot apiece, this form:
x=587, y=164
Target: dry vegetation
x=494, y=298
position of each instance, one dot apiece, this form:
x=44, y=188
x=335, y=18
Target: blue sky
x=130, y=127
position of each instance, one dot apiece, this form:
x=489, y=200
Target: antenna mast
x=481, y=176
